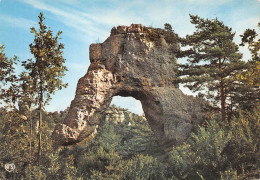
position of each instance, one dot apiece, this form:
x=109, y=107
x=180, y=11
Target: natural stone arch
x=134, y=61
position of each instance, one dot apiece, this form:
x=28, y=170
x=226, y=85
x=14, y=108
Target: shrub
x=220, y=150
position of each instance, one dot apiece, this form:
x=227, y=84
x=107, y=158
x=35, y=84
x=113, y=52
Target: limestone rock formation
x=117, y=115
x=114, y=116
x=133, y=61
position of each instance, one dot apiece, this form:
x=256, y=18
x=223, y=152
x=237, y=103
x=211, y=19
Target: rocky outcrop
x=134, y=61
x=117, y=115
x=114, y=116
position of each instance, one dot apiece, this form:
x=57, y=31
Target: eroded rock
x=134, y=61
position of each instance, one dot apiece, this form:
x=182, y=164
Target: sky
x=89, y=21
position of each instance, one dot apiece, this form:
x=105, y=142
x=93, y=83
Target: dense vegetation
x=226, y=146
x=121, y=151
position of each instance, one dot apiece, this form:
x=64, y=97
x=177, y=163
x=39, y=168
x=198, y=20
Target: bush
x=220, y=150
x=139, y=167
x=216, y=150
x=143, y=167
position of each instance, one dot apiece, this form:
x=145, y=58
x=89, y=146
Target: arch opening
x=130, y=103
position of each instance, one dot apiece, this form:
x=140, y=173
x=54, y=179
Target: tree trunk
x=222, y=92
x=223, y=100
x=30, y=116
x=40, y=128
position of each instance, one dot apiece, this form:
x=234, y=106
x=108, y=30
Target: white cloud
x=18, y=22
x=92, y=23
x=70, y=18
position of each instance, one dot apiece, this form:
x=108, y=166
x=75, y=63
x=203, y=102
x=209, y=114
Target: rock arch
x=134, y=61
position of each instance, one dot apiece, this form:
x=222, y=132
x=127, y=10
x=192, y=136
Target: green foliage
x=250, y=37
x=129, y=149
x=6, y=67
x=8, y=79
x=139, y=167
x=14, y=142
x=168, y=27
x=144, y=167
x=220, y=151
x=213, y=61
x=216, y=150
x=201, y=155
x=127, y=139
x=15, y=138
x=47, y=69
x=249, y=80
x=98, y=158
x=117, y=149
x=243, y=149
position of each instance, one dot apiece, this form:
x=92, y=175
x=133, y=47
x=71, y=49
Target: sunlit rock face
x=117, y=115
x=134, y=61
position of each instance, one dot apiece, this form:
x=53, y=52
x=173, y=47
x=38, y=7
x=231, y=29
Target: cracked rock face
x=134, y=61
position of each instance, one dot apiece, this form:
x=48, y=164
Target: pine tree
x=168, y=27
x=248, y=90
x=213, y=60
x=46, y=69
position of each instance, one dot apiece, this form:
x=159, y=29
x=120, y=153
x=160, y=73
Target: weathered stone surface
x=134, y=61
x=118, y=115
x=114, y=116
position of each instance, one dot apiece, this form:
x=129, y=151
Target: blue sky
x=89, y=21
